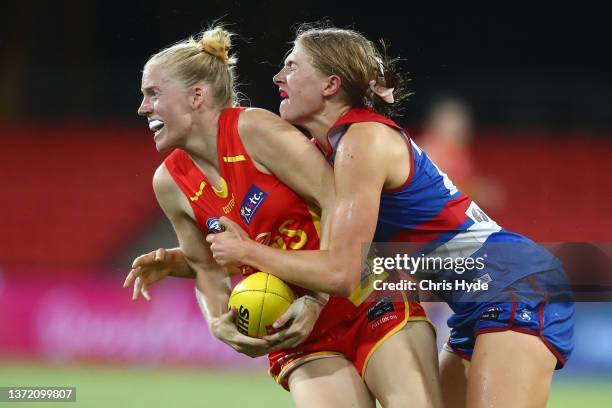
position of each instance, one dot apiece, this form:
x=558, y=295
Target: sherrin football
x=260, y=300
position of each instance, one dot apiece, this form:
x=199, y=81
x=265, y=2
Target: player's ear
x=332, y=85
x=198, y=95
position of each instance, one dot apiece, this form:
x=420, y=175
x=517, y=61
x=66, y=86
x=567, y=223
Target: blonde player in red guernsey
x=226, y=163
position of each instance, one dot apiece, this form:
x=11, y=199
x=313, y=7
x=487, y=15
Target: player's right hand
x=150, y=268
x=296, y=323
x=224, y=328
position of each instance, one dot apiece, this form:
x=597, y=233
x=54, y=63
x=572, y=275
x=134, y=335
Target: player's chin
x=164, y=141
x=161, y=146
x=285, y=109
x=282, y=109
x=286, y=113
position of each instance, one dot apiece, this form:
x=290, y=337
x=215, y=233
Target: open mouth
x=156, y=125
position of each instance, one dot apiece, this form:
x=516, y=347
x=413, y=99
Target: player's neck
x=320, y=124
x=202, y=143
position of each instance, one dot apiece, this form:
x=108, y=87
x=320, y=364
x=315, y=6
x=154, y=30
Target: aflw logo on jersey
x=213, y=226
x=253, y=199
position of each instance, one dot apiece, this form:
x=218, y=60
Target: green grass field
x=107, y=386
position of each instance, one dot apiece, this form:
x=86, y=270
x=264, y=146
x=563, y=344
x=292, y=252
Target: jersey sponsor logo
x=470, y=240
x=383, y=306
x=475, y=213
x=198, y=193
x=491, y=313
x=253, y=199
x=230, y=205
x=214, y=226
x=479, y=215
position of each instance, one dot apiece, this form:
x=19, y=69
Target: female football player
x=340, y=89
x=226, y=163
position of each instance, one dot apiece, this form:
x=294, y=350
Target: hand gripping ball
x=260, y=299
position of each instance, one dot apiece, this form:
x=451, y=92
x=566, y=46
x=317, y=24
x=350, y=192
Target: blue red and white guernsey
x=428, y=209
x=274, y=215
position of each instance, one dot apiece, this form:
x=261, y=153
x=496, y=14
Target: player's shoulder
x=257, y=121
x=370, y=129
x=168, y=194
x=265, y=135
x=163, y=183
x=368, y=136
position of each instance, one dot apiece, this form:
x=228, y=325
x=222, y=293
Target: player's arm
x=211, y=277
x=157, y=265
x=361, y=168
x=212, y=281
x=284, y=151
x=292, y=158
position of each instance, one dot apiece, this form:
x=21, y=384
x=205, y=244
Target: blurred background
x=514, y=103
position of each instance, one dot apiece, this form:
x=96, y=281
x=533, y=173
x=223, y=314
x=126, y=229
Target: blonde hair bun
x=203, y=57
x=217, y=42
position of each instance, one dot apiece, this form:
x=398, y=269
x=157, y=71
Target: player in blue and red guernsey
x=335, y=85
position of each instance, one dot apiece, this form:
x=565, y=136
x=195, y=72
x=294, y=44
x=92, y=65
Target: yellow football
x=260, y=299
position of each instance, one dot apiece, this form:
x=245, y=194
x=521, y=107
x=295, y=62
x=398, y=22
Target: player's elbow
x=344, y=282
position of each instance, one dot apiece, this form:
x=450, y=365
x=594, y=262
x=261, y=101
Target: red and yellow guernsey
x=274, y=215
x=261, y=204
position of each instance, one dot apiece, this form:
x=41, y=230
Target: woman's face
x=166, y=106
x=301, y=86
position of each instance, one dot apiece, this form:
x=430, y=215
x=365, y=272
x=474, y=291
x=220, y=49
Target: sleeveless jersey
x=430, y=210
x=262, y=205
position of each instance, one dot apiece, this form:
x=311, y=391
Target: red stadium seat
x=73, y=196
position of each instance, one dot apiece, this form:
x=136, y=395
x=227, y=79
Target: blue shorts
x=551, y=321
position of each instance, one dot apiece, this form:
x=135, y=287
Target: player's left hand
x=300, y=319
x=154, y=266
x=229, y=247
x=224, y=328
